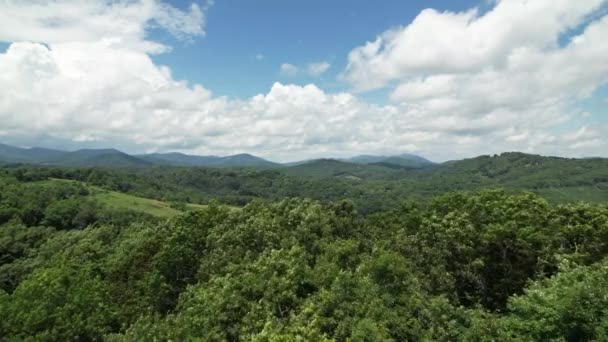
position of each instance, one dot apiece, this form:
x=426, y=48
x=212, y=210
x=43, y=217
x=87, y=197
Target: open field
x=118, y=200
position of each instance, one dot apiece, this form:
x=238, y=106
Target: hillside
x=327, y=168
x=243, y=160
x=371, y=187
x=99, y=158
x=178, y=159
x=527, y=170
x=120, y=201
x=404, y=160
x=558, y=179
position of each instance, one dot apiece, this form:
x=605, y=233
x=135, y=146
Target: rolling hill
x=558, y=179
x=371, y=187
x=327, y=168
x=122, y=201
x=178, y=159
x=244, y=160
x=404, y=160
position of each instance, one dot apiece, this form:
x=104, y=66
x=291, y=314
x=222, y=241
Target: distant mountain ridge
x=555, y=178
x=12, y=154
x=176, y=158
x=84, y=157
x=403, y=160
x=181, y=159
x=326, y=168
x=115, y=158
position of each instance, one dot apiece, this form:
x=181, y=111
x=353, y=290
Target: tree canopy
x=485, y=265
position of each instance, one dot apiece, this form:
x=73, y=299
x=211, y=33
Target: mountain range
x=180, y=159
x=115, y=158
x=387, y=177
x=404, y=160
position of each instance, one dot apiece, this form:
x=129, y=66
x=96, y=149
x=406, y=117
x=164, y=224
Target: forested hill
x=559, y=179
x=462, y=267
x=404, y=160
x=320, y=251
x=371, y=187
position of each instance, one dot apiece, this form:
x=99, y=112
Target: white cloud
x=67, y=79
x=312, y=69
x=530, y=81
x=110, y=95
x=289, y=69
x=122, y=22
x=317, y=69
x=182, y=25
x=259, y=56
x=503, y=75
x=583, y=138
x=447, y=42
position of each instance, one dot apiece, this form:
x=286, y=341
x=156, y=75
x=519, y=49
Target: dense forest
x=242, y=255
x=371, y=187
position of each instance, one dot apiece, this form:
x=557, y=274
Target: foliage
x=372, y=188
x=486, y=265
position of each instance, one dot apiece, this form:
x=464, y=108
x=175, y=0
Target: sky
x=294, y=80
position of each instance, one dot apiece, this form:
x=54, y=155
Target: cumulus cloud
x=454, y=42
x=110, y=95
x=83, y=74
x=123, y=22
x=508, y=75
x=182, y=25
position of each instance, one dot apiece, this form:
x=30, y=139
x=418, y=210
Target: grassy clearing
x=118, y=200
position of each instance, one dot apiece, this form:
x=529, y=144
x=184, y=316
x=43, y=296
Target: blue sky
x=295, y=32
x=291, y=80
